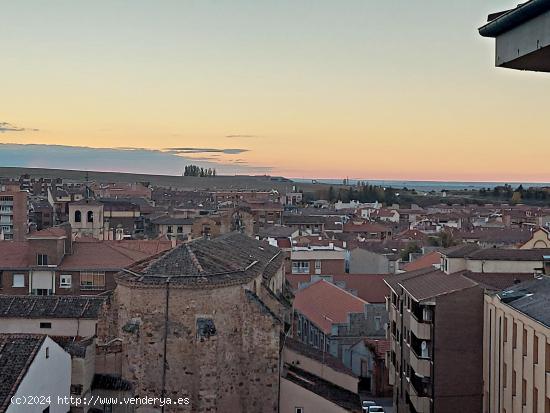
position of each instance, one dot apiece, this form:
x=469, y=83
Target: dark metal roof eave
x=514, y=18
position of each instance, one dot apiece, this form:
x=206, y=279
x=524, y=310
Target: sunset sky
x=358, y=88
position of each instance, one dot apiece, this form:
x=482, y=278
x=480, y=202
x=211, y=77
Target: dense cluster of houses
x=365, y=300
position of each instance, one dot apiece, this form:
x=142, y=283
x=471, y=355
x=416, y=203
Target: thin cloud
x=242, y=136
x=133, y=160
x=228, y=151
x=8, y=127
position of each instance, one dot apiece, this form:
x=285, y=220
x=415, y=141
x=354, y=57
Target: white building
x=33, y=365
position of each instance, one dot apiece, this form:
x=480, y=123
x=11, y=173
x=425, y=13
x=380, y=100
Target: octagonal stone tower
x=204, y=321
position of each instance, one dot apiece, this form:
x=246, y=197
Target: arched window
x=77, y=216
x=90, y=216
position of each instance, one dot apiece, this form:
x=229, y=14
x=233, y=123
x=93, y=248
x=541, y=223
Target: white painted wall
x=60, y=326
x=523, y=39
x=46, y=377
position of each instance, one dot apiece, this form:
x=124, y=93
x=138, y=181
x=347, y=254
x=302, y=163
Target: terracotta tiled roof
x=412, y=235
x=365, y=227
x=17, y=352
x=324, y=303
x=52, y=232
x=425, y=261
x=369, y=287
x=380, y=347
x=110, y=255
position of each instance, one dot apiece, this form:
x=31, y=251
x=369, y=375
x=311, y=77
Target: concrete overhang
x=522, y=36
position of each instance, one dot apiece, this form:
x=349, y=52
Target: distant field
x=221, y=182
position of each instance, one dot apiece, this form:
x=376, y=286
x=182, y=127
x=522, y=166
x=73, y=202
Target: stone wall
x=234, y=368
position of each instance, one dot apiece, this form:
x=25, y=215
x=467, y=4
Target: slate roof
x=500, y=254
x=460, y=251
x=494, y=281
x=17, y=351
x=230, y=258
x=427, y=284
x=531, y=298
x=23, y=306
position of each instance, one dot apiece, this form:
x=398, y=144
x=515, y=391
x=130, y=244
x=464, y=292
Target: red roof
x=111, y=254
x=380, y=347
x=425, y=261
x=324, y=303
x=365, y=227
x=369, y=287
x=52, y=232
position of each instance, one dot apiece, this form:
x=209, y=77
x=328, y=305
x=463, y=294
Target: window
x=18, y=280
x=377, y=322
x=169, y=229
x=45, y=325
x=535, y=349
x=300, y=267
x=65, y=281
x=180, y=230
x=90, y=216
x=317, y=265
x=298, y=410
x=47, y=352
x=77, y=216
x=42, y=259
x=205, y=328
x=92, y=280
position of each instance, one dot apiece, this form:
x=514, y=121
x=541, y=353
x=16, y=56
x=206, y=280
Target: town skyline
x=224, y=86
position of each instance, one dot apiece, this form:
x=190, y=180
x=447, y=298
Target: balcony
x=420, y=329
x=420, y=365
x=420, y=403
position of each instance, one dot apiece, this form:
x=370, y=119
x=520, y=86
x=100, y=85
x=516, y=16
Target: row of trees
x=506, y=192
x=194, y=170
x=363, y=193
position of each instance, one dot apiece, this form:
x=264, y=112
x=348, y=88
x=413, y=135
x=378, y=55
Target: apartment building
x=516, y=347
x=14, y=213
x=436, y=334
x=319, y=260
x=48, y=262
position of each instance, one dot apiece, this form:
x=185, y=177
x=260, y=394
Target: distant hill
x=220, y=182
